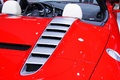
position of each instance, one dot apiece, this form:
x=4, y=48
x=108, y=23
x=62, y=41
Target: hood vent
x=46, y=44
x=14, y=46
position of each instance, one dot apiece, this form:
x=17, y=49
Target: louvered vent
x=46, y=44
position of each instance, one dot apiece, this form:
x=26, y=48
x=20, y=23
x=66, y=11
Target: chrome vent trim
x=118, y=20
x=46, y=44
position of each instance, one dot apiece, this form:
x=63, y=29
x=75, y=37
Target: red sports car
x=60, y=40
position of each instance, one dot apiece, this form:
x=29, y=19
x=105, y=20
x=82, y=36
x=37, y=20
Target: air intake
x=14, y=46
x=46, y=44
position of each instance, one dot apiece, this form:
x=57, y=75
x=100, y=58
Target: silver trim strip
x=112, y=53
x=36, y=60
x=58, y=28
x=53, y=34
x=59, y=20
x=48, y=41
x=118, y=20
x=43, y=50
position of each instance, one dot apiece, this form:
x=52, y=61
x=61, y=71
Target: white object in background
x=11, y=7
x=72, y=10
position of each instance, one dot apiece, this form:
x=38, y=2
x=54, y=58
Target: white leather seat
x=72, y=10
x=11, y=7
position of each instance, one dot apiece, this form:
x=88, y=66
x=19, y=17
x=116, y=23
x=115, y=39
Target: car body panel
x=81, y=53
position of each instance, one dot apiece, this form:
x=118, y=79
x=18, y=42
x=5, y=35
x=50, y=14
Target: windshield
x=87, y=1
x=51, y=0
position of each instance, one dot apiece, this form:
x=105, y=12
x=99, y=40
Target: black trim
x=55, y=30
x=46, y=45
x=58, y=24
x=102, y=5
x=40, y=55
x=14, y=46
x=32, y=67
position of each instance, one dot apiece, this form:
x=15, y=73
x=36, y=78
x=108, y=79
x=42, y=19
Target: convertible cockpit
x=92, y=12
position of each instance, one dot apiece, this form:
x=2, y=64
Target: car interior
x=91, y=12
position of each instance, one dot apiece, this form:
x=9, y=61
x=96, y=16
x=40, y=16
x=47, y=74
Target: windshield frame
x=81, y=1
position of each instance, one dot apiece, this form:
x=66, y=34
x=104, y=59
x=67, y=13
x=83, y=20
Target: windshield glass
x=87, y=1
x=52, y=0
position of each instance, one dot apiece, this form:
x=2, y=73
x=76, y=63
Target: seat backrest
x=11, y=7
x=72, y=10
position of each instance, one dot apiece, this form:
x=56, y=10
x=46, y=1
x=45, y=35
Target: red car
x=59, y=40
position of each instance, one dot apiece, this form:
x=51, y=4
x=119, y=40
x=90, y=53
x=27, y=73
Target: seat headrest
x=11, y=7
x=72, y=10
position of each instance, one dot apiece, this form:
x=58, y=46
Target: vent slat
x=48, y=41
x=53, y=34
x=46, y=45
x=52, y=37
x=65, y=21
x=60, y=24
x=36, y=60
x=40, y=55
x=55, y=30
x=45, y=50
x=58, y=28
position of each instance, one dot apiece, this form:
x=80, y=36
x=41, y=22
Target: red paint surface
x=72, y=60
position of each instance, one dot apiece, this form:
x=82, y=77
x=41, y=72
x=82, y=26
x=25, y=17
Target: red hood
x=79, y=50
x=21, y=29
